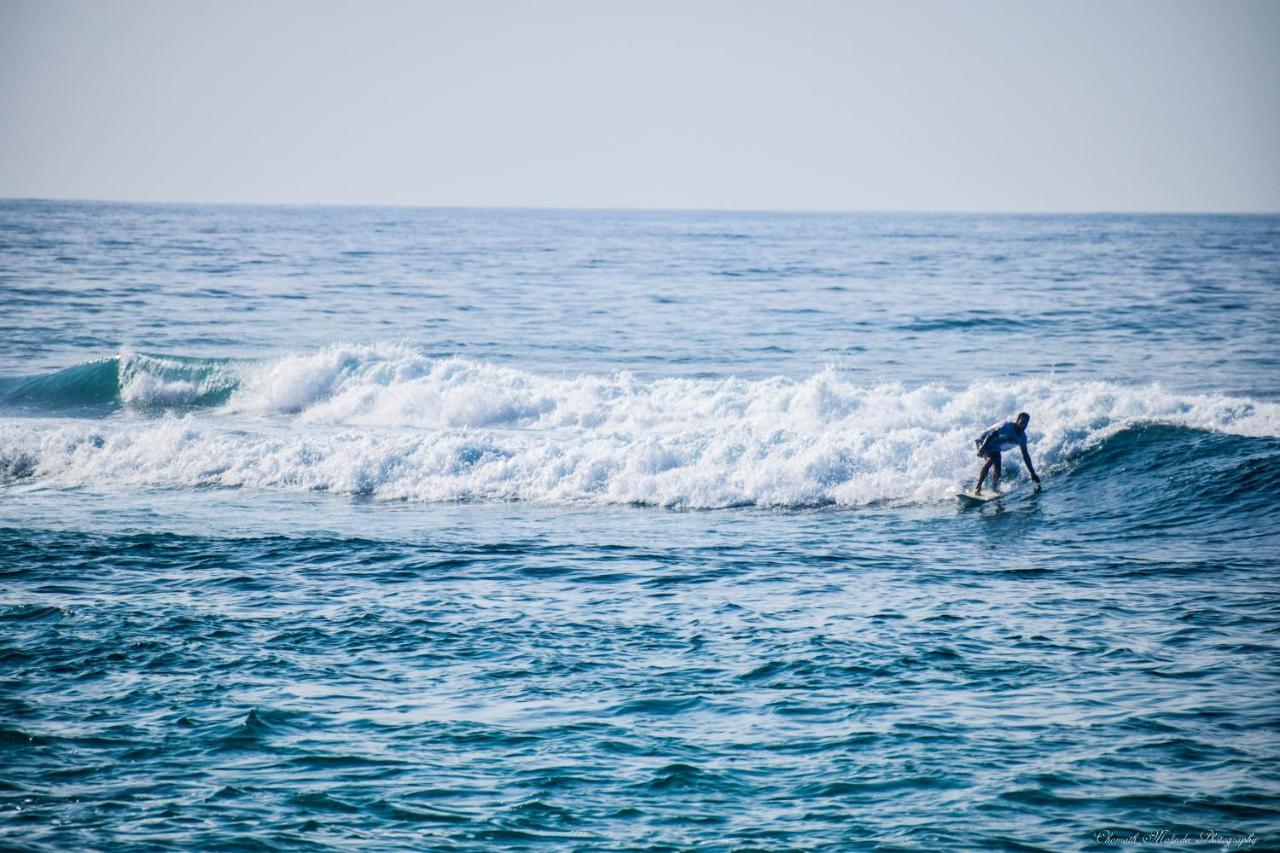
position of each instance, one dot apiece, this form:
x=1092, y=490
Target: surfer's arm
x=1026, y=458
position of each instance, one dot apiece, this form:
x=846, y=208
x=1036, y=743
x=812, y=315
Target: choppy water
x=457, y=529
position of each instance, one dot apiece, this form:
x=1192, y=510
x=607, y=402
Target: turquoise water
x=463, y=529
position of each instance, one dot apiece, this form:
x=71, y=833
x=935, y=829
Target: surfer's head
x=1022, y=420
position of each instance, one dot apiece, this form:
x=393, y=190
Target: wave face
x=136, y=381
x=392, y=422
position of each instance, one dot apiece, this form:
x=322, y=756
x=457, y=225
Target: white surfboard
x=970, y=499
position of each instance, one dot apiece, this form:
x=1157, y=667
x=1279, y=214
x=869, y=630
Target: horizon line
x=641, y=209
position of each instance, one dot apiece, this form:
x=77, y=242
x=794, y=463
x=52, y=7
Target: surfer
x=998, y=438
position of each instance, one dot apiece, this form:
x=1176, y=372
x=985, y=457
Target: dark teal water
x=465, y=530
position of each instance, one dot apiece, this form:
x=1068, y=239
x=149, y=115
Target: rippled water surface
x=464, y=530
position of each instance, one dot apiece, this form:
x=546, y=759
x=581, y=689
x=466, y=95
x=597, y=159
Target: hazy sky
x=1020, y=105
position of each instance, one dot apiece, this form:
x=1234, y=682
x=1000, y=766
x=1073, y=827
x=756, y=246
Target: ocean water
x=428, y=529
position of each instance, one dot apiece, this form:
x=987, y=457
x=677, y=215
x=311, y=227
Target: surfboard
x=969, y=499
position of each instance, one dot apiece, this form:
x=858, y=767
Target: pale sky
x=802, y=104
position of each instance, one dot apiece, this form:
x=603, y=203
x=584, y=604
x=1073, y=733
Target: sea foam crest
x=400, y=386
x=394, y=423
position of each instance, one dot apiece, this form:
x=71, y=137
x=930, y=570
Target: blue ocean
x=464, y=529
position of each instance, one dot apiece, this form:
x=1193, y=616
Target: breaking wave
x=392, y=422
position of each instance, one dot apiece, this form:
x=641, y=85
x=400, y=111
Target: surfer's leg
x=982, y=475
x=995, y=474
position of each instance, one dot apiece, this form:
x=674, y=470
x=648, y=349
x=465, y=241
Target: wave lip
x=392, y=422
x=128, y=380
x=394, y=385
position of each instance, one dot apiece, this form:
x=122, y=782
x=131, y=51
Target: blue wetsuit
x=998, y=438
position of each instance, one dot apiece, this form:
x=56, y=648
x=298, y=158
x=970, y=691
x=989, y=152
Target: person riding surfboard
x=998, y=438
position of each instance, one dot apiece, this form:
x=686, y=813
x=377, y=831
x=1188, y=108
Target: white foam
x=148, y=381
x=393, y=423
x=144, y=389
